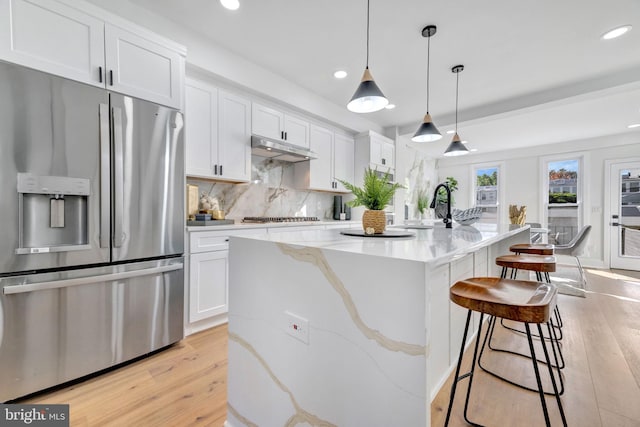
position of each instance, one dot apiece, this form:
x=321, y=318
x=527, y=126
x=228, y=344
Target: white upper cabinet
x=296, y=131
x=141, y=68
x=73, y=40
x=234, y=137
x=276, y=124
x=381, y=151
x=217, y=133
x=343, y=160
x=201, y=126
x=375, y=151
x=320, y=169
x=52, y=37
x=335, y=161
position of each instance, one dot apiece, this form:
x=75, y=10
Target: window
x=564, y=212
x=487, y=191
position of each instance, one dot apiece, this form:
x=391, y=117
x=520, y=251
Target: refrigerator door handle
x=118, y=161
x=56, y=284
x=105, y=173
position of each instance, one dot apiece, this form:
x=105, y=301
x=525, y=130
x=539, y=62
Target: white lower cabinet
x=208, y=277
x=208, y=280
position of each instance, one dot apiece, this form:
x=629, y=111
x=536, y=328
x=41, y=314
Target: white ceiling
x=536, y=72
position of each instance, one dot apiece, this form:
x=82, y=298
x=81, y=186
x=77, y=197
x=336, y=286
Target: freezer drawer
x=57, y=327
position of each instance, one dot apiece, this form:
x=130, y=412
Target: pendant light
x=456, y=148
x=427, y=132
x=368, y=97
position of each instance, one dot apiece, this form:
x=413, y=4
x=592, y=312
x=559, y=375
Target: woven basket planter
x=374, y=219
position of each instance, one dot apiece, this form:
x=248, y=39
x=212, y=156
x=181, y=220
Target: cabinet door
x=201, y=115
x=208, y=284
x=375, y=147
x=320, y=174
x=296, y=131
x=141, y=68
x=388, y=158
x=266, y=121
x=52, y=37
x=234, y=137
x=343, y=160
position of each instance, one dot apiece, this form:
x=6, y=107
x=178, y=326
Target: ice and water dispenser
x=53, y=213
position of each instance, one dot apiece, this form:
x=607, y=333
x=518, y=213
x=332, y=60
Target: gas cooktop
x=265, y=219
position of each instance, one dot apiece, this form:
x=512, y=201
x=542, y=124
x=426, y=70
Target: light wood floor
x=186, y=384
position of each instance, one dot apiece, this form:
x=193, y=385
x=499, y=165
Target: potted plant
x=441, y=197
x=375, y=194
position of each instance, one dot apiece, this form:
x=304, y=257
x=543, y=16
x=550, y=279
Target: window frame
x=500, y=206
x=580, y=204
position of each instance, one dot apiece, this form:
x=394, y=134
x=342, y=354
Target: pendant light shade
x=427, y=132
x=368, y=96
x=456, y=148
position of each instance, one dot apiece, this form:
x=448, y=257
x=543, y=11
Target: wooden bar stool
x=542, y=265
x=532, y=249
x=518, y=300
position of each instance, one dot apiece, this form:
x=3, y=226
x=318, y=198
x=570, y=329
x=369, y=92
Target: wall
x=272, y=192
x=522, y=174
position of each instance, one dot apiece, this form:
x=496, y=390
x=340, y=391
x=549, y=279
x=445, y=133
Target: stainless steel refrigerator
x=91, y=229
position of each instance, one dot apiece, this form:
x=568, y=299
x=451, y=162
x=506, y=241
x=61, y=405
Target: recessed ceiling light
x=635, y=125
x=390, y=106
x=340, y=74
x=450, y=132
x=230, y=4
x=616, y=32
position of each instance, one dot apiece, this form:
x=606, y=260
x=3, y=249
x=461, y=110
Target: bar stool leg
x=537, y=372
x=553, y=381
x=559, y=363
x=469, y=374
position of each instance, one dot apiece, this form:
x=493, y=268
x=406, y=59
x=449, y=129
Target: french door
x=624, y=224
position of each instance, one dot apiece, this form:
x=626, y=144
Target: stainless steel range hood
x=280, y=150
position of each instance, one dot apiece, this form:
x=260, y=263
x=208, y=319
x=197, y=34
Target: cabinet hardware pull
x=215, y=169
x=100, y=74
x=111, y=76
x=384, y=162
x=285, y=136
x=220, y=169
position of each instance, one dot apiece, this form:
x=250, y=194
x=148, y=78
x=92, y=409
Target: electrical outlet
x=297, y=327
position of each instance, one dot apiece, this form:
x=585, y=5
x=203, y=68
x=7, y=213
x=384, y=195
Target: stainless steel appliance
x=91, y=243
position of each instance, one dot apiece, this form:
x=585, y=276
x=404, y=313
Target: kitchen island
x=327, y=329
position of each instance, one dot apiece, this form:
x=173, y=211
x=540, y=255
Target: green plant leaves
x=376, y=191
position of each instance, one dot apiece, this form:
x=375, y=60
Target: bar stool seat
x=532, y=249
x=537, y=263
x=517, y=300
x=542, y=265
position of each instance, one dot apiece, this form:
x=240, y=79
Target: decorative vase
x=375, y=219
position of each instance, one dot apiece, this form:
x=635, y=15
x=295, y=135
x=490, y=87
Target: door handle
x=65, y=283
x=105, y=174
x=615, y=224
x=118, y=197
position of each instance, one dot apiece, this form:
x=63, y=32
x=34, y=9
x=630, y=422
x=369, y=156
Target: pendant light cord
x=457, y=77
x=428, y=55
x=368, y=33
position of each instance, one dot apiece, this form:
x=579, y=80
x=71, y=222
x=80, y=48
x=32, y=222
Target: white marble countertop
x=248, y=225
x=436, y=245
